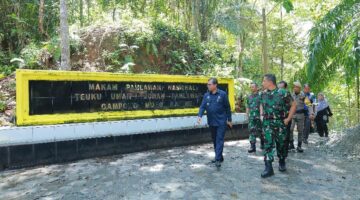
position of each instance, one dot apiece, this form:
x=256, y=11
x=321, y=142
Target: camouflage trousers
x=255, y=129
x=275, y=135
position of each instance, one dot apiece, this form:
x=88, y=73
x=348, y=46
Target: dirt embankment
x=345, y=144
x=7, y=100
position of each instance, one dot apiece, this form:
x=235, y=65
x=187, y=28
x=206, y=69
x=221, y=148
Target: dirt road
x=185, y=173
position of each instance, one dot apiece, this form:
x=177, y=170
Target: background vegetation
x=314, y=41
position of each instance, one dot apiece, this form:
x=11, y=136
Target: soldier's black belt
x=300, y=111
x=254, y=119
x=271, y=117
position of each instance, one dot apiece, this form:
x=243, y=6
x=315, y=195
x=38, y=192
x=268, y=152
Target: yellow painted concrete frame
x=22, y=95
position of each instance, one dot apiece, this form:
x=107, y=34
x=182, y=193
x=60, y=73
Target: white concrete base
x=10, y=136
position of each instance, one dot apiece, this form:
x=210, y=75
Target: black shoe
x=282, y=165
x=269, y=171
x=218, y=164
x=221, y=160
x=291, y=145
x=262, y=145
x=252, y=148
x=299, y=149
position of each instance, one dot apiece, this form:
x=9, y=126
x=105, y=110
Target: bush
x=6, y=68
x=165, y=48
x=139, y=46
x=53, y=47
x=31, y=56
x=2, y=106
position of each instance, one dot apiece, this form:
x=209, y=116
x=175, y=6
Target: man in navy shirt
x=216, y=104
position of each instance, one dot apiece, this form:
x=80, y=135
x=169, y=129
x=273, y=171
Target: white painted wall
x=10, y=136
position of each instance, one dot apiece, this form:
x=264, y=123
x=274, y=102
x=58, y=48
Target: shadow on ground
x=186, y=173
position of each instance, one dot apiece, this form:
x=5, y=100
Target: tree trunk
x=41, y=18
x=357, y=94
x=358, y=90
x=194, y=16
x=357, y=55
x=18, y=25
x=188, y=15
x=88, y=5
x=114, y=13
x=282, y=67
x=71, y=11
x=264, y=43
x=283, y=47
x=81, y=13
x=242, y=41
x=206, y=14
x=64, y=37
x=143, y=6
x=349, y=105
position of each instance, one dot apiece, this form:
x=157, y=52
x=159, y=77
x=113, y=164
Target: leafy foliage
x=2, y=106
x=333, y=44
x=287, y=4
x=166, y=49
x=210, y=37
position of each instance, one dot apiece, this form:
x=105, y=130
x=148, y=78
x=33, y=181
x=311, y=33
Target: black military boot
x=282, y=165
x=306, y=141
x=221, y=160
x=299, y=149
x=252, y=148
x=269, y=171
x=262, y=145
x=218, y=164
x=291, y=145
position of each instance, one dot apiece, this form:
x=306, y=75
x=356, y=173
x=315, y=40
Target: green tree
x=239, y=18
x=334, y=46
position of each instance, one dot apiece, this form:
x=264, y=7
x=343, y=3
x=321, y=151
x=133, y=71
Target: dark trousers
x=287, y=139
x=217, y=135
x=322, y=128
x=307, y=127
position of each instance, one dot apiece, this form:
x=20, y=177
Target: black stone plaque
x=51, y=97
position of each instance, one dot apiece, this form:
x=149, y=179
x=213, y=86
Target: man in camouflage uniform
x=284, y=85
x=253, y=112
x=274, y=108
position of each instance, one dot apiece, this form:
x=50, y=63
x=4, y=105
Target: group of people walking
x=273, y=113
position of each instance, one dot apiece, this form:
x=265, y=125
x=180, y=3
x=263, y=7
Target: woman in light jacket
x=323, y=113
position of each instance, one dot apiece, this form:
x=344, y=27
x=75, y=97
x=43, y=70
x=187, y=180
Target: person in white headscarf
x=323, y=113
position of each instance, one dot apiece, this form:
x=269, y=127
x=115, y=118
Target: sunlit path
x=185, y=173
